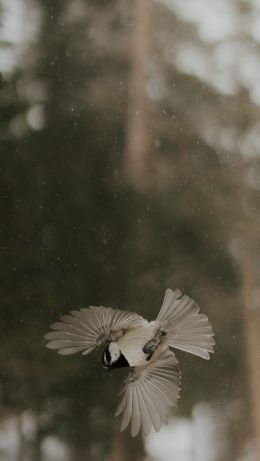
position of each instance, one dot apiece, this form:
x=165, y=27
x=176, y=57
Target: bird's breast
x=133, y=341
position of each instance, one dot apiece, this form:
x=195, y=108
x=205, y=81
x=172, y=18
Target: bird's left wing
x=85, y=329
x=150, y=393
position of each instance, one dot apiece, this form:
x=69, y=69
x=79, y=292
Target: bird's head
x=113, y=358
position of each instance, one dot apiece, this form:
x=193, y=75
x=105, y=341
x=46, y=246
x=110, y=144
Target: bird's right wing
x=150, y=393
x=85, y=329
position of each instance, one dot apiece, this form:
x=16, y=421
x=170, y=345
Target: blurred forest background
x=129, y=163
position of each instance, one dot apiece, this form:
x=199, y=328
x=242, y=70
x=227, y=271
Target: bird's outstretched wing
x=183, y=326
x=150, y=393
x=85, y=329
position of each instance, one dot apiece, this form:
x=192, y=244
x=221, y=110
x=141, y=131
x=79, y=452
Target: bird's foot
x=150, y=347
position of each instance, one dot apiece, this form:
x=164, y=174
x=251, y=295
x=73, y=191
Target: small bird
x=146, y=348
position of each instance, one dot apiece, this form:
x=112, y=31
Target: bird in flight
x=146, y=348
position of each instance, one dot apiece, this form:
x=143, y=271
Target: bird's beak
x=107, y=367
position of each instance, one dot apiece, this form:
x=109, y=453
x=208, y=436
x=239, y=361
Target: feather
x=128, y=410
x=85, y=329
x=136, y=418
x=185, y=328
x=144, y=415
x=150, y=392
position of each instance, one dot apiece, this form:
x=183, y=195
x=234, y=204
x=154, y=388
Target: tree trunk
x=126, y=449
x=137, y=138
x=252, y=324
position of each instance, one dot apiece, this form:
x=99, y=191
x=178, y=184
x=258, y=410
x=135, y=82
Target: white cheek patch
x=114, y=351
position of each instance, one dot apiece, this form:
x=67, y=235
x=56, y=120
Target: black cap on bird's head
x=112, y=357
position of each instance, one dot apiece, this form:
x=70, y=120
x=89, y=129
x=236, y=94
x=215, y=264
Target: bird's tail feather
x=183, y=326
